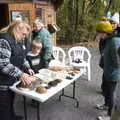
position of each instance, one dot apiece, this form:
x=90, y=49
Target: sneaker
x=101, y=107
x=103, y=118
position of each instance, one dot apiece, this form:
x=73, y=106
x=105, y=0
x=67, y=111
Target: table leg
x=38, y=110
x=62, y=94
x=25, y=108
x=77, y=102
x=72, y=97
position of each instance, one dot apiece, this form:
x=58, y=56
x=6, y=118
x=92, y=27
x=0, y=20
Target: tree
x=77, y=18
x=108, y=6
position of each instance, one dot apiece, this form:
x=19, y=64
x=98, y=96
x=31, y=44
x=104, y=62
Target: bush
x=85, y=32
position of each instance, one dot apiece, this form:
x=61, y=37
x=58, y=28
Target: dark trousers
x=6, y=104
x=103, y=84
x=109, y=88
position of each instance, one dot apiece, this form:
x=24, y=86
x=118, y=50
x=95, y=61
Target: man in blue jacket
x=111, y=71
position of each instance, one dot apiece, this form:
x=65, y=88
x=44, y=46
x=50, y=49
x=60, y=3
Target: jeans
x=109, y=94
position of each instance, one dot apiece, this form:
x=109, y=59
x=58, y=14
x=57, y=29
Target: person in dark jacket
x=12, y=64
x=111, y=71
x=104, y=30
x=116, y=108
x=34, y=57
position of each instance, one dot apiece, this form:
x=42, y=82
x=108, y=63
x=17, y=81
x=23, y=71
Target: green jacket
x=46, y=39
x=111, y=59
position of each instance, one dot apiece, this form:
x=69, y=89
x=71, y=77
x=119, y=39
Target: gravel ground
x=87, y=92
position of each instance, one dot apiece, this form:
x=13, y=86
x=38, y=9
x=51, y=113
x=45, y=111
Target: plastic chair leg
x=89, y=74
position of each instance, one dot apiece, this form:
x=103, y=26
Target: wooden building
x=29, y=10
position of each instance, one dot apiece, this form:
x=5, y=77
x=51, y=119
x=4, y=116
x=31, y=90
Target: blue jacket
x=111, y=59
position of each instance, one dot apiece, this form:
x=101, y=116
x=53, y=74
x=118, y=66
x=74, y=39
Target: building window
x=20, y=15
x=39, y=13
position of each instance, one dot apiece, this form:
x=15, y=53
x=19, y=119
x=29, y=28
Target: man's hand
x=26, y=78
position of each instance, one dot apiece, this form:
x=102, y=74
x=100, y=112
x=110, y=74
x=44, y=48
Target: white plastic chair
x=59, y=55
x=80, y=57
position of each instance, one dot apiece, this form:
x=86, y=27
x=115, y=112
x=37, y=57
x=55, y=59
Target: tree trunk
x=77, y=12
x=71, y=18
x=108, y=7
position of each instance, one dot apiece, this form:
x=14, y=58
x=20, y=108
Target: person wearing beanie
x=104, y=30
x=111, y=66
x=116, y=108
x=115, y=20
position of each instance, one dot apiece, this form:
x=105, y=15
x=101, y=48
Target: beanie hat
x=104, y=27
x=104, y=18
x=115, y=18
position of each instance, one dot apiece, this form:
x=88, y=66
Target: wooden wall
x=4, y=19
x=48, y=13
x=23, y=6
x=48, y=16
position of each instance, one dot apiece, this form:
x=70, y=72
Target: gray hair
x=38, y=21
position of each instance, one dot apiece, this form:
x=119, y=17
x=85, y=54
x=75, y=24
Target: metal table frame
x=42, y=98
x=38, y=103
x=25, y=109
x=72, y=97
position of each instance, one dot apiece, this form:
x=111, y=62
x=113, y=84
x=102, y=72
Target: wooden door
x=4, y=13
